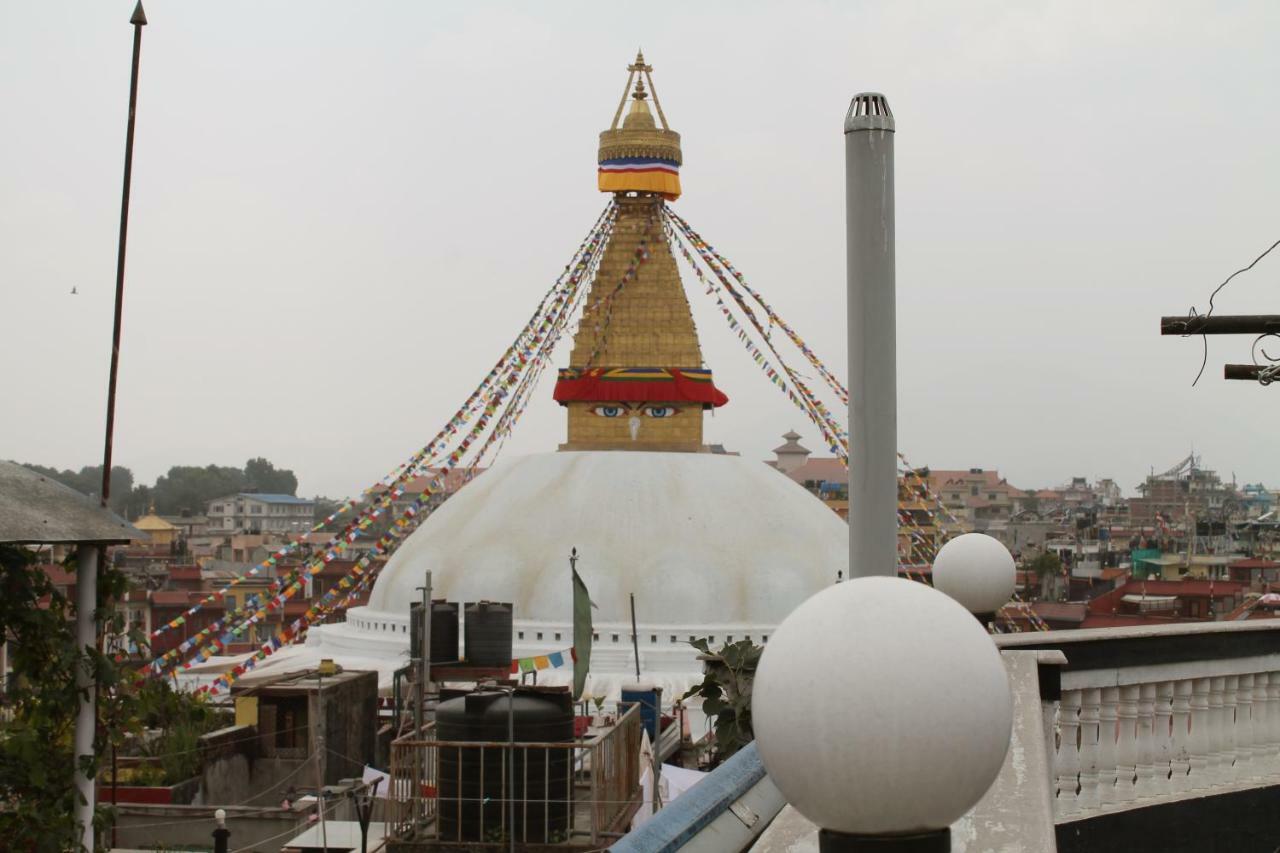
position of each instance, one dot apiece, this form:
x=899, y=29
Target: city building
x=260, y=513
x=1184, y=492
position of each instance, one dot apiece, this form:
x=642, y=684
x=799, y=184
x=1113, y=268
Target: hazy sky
x=343, y=212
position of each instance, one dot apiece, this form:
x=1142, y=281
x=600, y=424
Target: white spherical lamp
x=882, y=711
x=977, y=571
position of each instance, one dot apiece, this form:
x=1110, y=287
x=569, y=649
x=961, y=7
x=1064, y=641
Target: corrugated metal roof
x=38, y=511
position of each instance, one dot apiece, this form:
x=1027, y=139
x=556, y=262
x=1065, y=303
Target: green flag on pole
x=581, y=628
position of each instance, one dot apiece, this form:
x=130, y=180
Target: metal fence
x=464, y=792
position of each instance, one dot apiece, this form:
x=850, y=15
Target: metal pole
x=511, y=766
x=873, y=407
x=426, y=637
x=86, y=636
x=635, y=637
x=1223, y=324
x=139, y=20
x=321, y=748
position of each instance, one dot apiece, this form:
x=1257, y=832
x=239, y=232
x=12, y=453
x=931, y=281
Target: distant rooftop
x=269, y=498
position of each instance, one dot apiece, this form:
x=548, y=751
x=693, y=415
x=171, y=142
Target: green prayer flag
x=581, y=631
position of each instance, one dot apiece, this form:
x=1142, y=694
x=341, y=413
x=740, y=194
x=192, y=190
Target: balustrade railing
x=1158, y=714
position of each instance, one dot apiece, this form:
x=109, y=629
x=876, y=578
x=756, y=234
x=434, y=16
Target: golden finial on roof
x=639, y=156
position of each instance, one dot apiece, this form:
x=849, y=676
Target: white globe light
x=977, y=571
x=881, y=707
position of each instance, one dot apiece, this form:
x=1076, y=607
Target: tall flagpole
x=88, y=559
x=139, y=20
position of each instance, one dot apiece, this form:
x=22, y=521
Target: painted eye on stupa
x=610, y=411
x=661, y=411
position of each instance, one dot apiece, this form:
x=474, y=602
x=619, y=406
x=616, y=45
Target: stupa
x=710, y=544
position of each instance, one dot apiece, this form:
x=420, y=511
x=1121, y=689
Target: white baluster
x=1144, y=786
x=1245, y=767
x=1127, y=743
x=1067, y=765
x=1272, y=762
x=1201, y=739
x=1108, y=709
x=1273, y=721
x=1261, y=725
x=1162, y=736
x=1230, y=690
x=1217, y=732
x=1089, y=701
x=1264, y=687
x=1180, y=733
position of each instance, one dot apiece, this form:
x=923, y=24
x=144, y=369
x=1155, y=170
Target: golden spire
x=635, y=379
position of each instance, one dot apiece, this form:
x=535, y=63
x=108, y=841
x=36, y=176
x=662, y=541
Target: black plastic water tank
x=488, y=633
x=444, y=630
x=473, y=782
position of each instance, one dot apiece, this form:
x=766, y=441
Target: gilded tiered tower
x=635, y=379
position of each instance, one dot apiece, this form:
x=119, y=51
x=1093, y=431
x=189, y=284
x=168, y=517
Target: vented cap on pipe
x=869, y=111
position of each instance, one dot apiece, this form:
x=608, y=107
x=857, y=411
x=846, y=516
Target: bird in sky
x=73, y=290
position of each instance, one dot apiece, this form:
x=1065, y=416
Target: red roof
x=824, y=470
x=1254, y=563
x=1111, y=620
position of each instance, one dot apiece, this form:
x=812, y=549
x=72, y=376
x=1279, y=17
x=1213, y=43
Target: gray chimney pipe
x=873, y=396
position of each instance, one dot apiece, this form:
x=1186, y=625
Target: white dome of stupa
x=712, y=545
x=701, y=539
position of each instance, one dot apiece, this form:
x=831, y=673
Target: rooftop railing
x=573, y=793
x=1160, y=714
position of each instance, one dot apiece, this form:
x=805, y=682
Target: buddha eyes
x=620, y=410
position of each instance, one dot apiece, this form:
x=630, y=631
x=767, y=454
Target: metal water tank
x=473, y=780
x=444, y=630
x=487, y=630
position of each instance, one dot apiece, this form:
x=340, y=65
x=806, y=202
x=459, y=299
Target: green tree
x=37, y=767
x=728, y=676
x=324, y=508
x=191, y=487
x=262, y=476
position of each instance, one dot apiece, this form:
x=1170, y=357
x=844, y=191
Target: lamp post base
x=830, y=841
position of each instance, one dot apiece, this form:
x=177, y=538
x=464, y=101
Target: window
x=765, y=638
x=595, y=637
x=673, y=638
x=729, y=639
x=519, y=635
x=973, y=491
x=230, y=602
x=557, y=636
x=615, y=638
x=539, y=635
x=653, y=638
